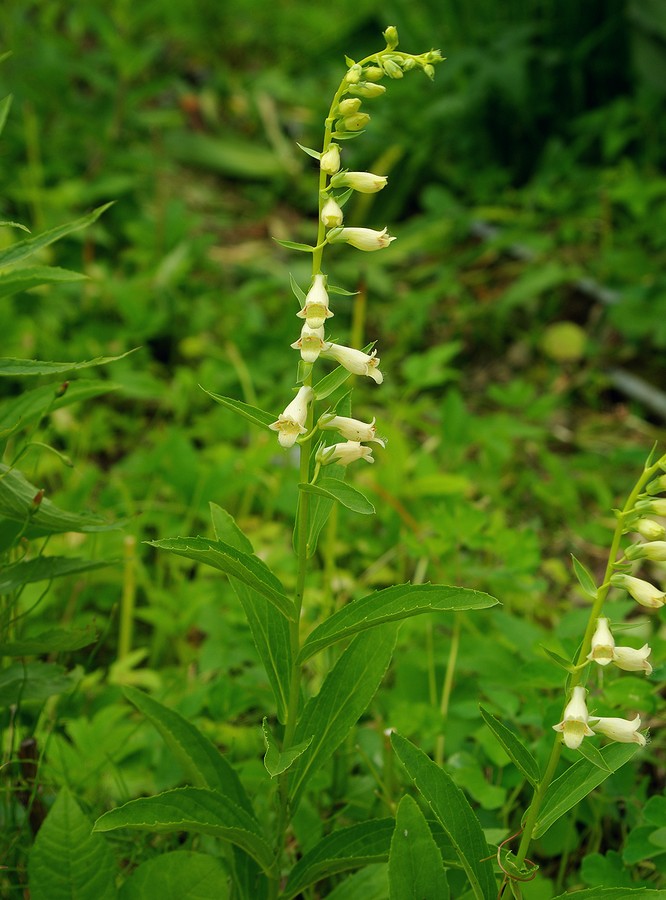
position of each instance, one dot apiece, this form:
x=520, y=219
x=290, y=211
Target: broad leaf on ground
x=180, y=875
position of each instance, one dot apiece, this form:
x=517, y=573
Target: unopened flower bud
x=363, y=238
x=655, y=550
x=408, y=64
x=331, y=214
x=642, y=591
x=622, y=730
x=354, y=74
x=656, y=486
x=291, y=422
x=650, y=530
x=349, y=106
x=657, y=506
x=330, y=160
x=367, y=89
x=315, y=310
x=355, y=122
x=373, y=73
x=429, y=71
x=310, y=343
x=343, y=454
x=391, y=37
x=392, y=68
x=603, y=643
x=363, y=182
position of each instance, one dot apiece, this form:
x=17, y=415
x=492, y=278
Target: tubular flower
x=310, y=343
x=355, y=361
x=645, y=593
x=574, y=725
x=346, y=453
x=603, y=643
x=329, y=161
x=331, y=214
x=363, y=238
x=363, y=182
x=633, y=660
x=625, y=731
x=291, y=422
x=315, y=311
x=352, y=429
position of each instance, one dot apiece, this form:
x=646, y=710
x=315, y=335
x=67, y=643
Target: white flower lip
x=315, y=311
x=603, y=643
x=310, y=343
x=631, y=660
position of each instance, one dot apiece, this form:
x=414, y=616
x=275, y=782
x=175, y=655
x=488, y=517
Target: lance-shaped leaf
x=455, y=814
x=270, y=629
x=251, y=413
x=344, y=696
x=21, y=367
x=343, y=850
x=390, y=605
x=32, y=404
x=33, y=276
x=331, y=382
x=276, y=761
x=67, y=861
x=577, y=782
x=416, y=870
x=57, y=640
x=44, y=568
x=585, y=579
x=23, y=249
x=192, y=809
x=179, y=875
x=614, y=893
x=342, y=492
x=201, y=759
x=17, y=504
x=5, y=105
x=319, y=509
x=518, y=753
x=244, y=566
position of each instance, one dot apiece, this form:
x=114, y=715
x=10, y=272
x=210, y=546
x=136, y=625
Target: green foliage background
x=524, y=297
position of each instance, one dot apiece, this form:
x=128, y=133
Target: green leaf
x=344, y=696
x=201, y=759
x=333, y=289
x=192, y=809
x=390, y=605
x=577, y=782
x=640, y=845
x=585, y=579
x=251, y=413
x=44, y=568
x=246, y=567
x=270, y=629
x=229, y=155
x=342, y=492
x=16, y=504
x=456, y=816
x=32, y=682
x=23, y=249
x=7, y=224
x=56, y=640
x=330, y=383
x=344, y=849
x=275, y=760
x=315, y=154
x=294, y=245
x=416, y=870
x=179, y=875
x=565, y=664
x=613, y=893
x=320, y=508
x=298, y=292
x=20, y=367
x=518, y=753
x=590, y=752
x=347, y=135
x=33, y=276
x=5, y=105
x=32, y=404
x=67, y=862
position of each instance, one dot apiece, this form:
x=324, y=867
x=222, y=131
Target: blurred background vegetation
x=520, y=317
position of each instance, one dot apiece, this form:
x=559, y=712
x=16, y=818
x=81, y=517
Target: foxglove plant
x=305, y=730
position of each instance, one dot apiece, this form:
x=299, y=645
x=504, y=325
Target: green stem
x=577, y=674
